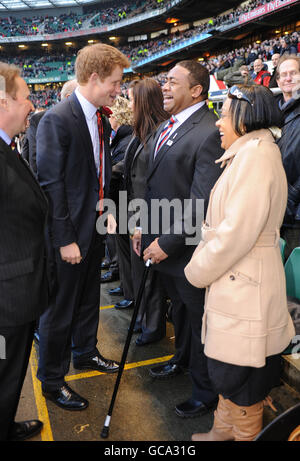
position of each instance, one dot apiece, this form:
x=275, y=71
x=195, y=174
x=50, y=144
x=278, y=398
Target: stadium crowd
x=226, y=66
x=11, y=26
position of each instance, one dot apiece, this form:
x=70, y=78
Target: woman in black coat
x=147, y=104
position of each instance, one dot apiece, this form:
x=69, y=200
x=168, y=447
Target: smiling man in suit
x=186, y=148
x=23, y=279
x=74, y=168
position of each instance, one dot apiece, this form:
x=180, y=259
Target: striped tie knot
x=165, y=133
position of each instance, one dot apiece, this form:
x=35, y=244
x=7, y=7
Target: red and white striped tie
x=165, y=134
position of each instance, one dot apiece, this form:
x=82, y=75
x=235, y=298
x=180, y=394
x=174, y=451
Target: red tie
x=101, y=190
x=14, y=147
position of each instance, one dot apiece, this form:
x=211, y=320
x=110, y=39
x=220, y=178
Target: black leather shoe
x=97, y=363
x=116, y=291
x=165, y=371
x=125, y=304
x=25, y=430
x=192, y=408
x=109, y=277
x=64, y=397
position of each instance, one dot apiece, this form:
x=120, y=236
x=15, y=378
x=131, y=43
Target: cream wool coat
x=239, y=262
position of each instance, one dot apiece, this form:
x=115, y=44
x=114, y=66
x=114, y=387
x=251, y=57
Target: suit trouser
x=123, y=253
x=18, y=342
x=110, y=242
x=72, y=316
x=152, y=312
x=187, y=312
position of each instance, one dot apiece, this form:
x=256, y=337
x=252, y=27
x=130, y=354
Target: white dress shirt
x=181, y=117
x=5, y=137
x=185, y=114
x=89, y=111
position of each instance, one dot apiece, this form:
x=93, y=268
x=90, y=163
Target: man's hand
x=155, y=253
x=71, y=253
x=137, y=242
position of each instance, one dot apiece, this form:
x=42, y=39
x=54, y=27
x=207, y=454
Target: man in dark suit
x=74, y=168
x=29, y=143
x=182, y=166
x=23, y=280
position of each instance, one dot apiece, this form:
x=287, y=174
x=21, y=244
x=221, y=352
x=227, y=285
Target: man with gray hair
x=23, y=275
x=68, y=88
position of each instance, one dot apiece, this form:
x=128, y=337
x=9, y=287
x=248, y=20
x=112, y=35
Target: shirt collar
x=88, y=108
x=5, y=137
x=186, y=113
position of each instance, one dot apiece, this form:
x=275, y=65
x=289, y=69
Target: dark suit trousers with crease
x=187, y=312
x=70, y=323
x=18, y=342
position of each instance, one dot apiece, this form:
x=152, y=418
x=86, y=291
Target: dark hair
x=149, y=110
x=260, y=111
x=199, y=75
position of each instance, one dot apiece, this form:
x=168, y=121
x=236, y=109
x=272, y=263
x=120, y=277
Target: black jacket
x=23, y=210
x=289, y=144
x=29, y=146
x=118, y=148
x=67, y=173
x=183, y=169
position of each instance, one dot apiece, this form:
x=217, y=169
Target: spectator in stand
x=287, y=46
x=241, y=76
x=288, y=79
x=273, y=79
x=295, y=41
x=260, y=75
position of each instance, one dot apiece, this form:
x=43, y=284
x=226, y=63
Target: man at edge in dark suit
x=187, y=151
x=23, y=279
x=74, y=169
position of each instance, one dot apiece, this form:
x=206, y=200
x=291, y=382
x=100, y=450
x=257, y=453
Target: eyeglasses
x=236, y=93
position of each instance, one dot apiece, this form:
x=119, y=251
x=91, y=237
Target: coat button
x=232, y=277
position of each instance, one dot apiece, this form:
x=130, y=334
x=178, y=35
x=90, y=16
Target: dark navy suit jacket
x=67, y=172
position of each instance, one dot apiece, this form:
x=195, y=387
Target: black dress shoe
x=25, y=429
x=125, y=304
x=116, y=291
x=165, y=371
x=64, y=397
x=109, y=277
x=192, y=408
x=97, y=363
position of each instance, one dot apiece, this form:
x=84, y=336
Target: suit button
x=133, y=175
x=149, y=187
x=232, y=277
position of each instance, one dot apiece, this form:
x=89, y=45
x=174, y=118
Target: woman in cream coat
x=246, y=323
